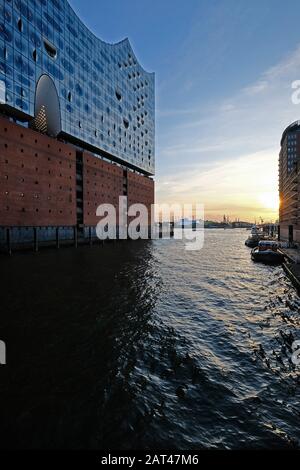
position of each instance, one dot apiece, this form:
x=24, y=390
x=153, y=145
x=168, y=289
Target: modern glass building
x=62, y=80
x=289, y=183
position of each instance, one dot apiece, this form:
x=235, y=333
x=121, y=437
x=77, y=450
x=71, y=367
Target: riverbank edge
x=292, y=269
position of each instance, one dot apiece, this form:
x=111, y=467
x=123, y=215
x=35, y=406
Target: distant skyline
x=224, y=70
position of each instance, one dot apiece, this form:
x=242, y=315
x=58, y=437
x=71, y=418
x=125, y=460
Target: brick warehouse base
x=290, y=235
x=50, y=190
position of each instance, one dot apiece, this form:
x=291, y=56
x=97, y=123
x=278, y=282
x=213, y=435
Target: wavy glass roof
x=106, y=98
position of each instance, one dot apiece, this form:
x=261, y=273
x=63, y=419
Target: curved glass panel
x=101, y=86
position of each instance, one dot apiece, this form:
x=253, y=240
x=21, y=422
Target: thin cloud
x=234, y=184
x=241, y=126
x=257, y=88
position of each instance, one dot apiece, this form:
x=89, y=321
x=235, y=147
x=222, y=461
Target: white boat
x=254, y=238
x=254, y=230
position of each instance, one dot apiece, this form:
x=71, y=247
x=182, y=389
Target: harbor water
x=143, y=345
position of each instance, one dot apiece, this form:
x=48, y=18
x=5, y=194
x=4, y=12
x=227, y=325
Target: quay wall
x=37, y=179
x=285, y=233
x=40, y=186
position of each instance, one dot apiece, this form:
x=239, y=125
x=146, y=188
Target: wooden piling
x=75, y=237
x=8, y=241
x=57, y=237
x=36, y=239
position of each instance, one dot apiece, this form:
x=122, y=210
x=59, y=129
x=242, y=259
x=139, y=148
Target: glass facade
x=291, y=152
x=107, y=100
x=290, y=144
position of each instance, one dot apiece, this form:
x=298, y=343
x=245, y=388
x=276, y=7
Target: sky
x=224, y=73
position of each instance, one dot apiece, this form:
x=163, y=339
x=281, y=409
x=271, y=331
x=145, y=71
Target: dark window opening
x=20, y=25
x=70, y=96
x=118, y=95
x=126, y=123
x=50, y=49
x=35, y=55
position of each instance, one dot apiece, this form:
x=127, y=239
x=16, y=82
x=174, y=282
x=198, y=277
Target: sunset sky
x=224, y=72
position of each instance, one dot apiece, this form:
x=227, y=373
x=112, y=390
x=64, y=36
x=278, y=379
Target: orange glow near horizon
x=240, y=188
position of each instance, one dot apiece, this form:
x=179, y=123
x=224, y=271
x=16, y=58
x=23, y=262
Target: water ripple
x=144, y=345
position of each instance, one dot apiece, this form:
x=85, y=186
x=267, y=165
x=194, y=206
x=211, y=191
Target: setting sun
x=269, y=200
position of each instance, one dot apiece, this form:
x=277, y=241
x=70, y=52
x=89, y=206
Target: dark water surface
x=99, y=340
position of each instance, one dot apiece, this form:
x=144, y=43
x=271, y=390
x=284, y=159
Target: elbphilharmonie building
x=77, y=122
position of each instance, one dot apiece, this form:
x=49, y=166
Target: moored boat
x=267, y=252
x=254, y=230
x=252, y=241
